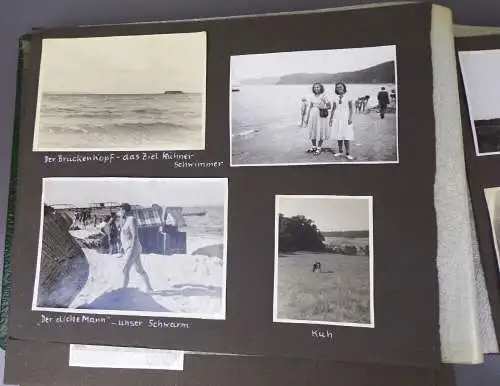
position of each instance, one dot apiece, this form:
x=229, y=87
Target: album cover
x=24, y=366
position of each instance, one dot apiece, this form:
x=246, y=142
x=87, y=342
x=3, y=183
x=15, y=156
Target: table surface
x=20, y=16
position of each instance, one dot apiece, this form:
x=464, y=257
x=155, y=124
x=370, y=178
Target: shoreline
x=375, y=140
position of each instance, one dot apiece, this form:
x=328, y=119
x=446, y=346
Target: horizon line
x=323, y=73
x=348, y=230
x=117, y=93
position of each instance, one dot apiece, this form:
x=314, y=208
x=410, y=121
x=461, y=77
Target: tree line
x=298, y=233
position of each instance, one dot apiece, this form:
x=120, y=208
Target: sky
x=323, y=61
x=124, y=64
x=480, y=70
x=329, y=214
x=172, y=192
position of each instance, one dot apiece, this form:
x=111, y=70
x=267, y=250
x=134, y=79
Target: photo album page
x=192, y=186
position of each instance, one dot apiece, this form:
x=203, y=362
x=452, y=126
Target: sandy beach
x=375, y=141
x=190, y=284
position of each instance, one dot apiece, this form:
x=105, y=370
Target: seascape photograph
x=324, y=260
x=133, y=246
x=314, y=107
x=479, y=74
x=122, y=93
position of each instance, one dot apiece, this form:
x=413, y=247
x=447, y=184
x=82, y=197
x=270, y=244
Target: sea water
x=131, y=122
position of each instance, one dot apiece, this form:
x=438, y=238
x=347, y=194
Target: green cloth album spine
x=24, y=45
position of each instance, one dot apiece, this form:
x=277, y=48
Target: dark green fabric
x=9, y=229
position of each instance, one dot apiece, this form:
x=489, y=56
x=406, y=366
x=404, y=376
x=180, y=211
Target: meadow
x=340, y=293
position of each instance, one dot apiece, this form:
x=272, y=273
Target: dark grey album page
x=259, y=185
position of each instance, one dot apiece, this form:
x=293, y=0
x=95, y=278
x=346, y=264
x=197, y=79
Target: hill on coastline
x=380, y=73
x=347, y=234
x=487, y=122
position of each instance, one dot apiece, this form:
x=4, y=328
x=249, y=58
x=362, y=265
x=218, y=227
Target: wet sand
x=375, y=140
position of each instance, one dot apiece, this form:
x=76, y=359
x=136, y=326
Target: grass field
x=338, y=294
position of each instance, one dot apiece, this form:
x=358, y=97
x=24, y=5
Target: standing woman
x=114, y=233
x=317, y=118
x=341, y=120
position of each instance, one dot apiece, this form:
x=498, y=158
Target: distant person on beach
x=364, y=103
x=341, y=120
x=132, y=248
x=105, y=230
x=303, y=111
x=383, y=101
x=393, y=95
x=357, y=104
x=114, y=239
x=317, y=114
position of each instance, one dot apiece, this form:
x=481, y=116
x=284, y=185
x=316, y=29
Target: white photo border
x=36, y=125
x=221, y=316
x=461, y=55
x=333, y=162
x=490, y=195
x=276, y=319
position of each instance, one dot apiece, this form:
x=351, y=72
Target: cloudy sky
x=124, y=64
x=329, y=214
x=324, y=61
x=480, y=70
x=171, y=192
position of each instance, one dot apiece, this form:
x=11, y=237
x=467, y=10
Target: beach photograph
x=324, y=260
x=133, y=246
x=492, y=196
x=479, y=73
x=122, y=93
x=314, y=107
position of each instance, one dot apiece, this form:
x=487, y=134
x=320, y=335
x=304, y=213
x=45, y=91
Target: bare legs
x=344, y=143
x=133, y=257
x=347, y=145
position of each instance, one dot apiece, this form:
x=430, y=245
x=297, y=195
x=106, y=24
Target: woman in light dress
x=317, y=118
x=341, y=121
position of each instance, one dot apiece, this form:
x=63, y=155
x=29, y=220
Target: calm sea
x=211, y=223
x=260, y=108
x=135, y=122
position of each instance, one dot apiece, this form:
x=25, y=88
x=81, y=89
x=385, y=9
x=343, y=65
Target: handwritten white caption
x=179, y=160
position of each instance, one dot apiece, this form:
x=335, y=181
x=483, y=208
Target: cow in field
x=316, y=267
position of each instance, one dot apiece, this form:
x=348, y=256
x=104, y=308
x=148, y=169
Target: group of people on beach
x=328, y=119
x=84, y=218
x=110, y=228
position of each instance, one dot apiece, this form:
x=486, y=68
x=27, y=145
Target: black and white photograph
x=480, y=76
x=133, y=246
x=314, y=107
x=122, y=93
x=492, y=196
x=323, y=270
